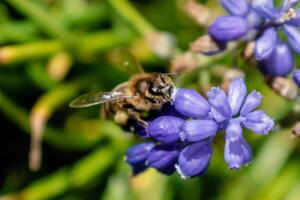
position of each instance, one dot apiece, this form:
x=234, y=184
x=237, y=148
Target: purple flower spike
x=266, y=44
x=236, y=95
x=194, y=159
x=234, y=7
x=264, y=8
x=183, y=141
x=218, y=99
x=190, y=103
x=163, y=158
x=196, y=130
x=252, y=101
x=293, y=36
x=136, y=156
x=228, y=28
x=281, y=62
x=165, y=129
x=296, y=77
x=258, y=122
x=237, y=151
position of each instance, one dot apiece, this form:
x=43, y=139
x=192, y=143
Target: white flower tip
x=270, y=123
x=182, y=135
x=257, y=94
x=213, y=92
x=234, y=167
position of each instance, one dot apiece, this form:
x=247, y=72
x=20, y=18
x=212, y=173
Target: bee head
x=162, y=85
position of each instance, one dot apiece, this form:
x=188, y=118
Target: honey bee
x=129, y=100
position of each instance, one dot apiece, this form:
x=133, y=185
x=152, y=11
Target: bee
x=128, y=101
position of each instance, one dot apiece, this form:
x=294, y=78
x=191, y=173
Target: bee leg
x=121, y=117
x=137, y=118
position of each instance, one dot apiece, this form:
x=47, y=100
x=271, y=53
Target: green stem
x=14, y=113
x=282, y=184
x=42, y=18
x=21, y=52
x=87, y=44
x=132, y=16
x=103, y=40
x=84, y=171
x=17, y=31
x=64, y=140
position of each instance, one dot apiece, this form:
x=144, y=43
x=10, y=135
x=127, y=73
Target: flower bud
x=207, y=46
x=287, y=4
x=214, y=114
x=235, y=7
x=295, y=134
x=138, y=153
x=228, y=28
x=136, y=156
x=190, y=103
x=253, y=19
x=280, y=63
x=236, y=95
x=196, y=130
x=265, y=44
x=285, y=87
x=163, y=158
x=237, y=151
x=252, y=101
x=264, y=8
x=194, y=159
x=293, y=36
x=218, y=99
x=165, y=129
x=258, y=122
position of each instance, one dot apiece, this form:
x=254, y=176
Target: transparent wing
x=125, y=61
x=95, y=98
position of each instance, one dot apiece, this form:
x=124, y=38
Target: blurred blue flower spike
x=266, y=21
x=183, y=142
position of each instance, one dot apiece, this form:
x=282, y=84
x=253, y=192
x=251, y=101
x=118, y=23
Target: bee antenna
x=172, y=74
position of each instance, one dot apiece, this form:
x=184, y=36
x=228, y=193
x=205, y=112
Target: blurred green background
x=54, y=50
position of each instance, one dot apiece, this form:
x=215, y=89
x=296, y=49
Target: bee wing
x=124, y=60
x=95, y=98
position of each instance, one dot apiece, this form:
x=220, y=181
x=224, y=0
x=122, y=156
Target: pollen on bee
x=121, y=117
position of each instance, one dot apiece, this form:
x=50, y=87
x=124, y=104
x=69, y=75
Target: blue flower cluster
x=261, y=21
x=181, y=137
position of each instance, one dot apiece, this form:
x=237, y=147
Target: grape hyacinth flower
x=261, y=21
x=182, y=142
